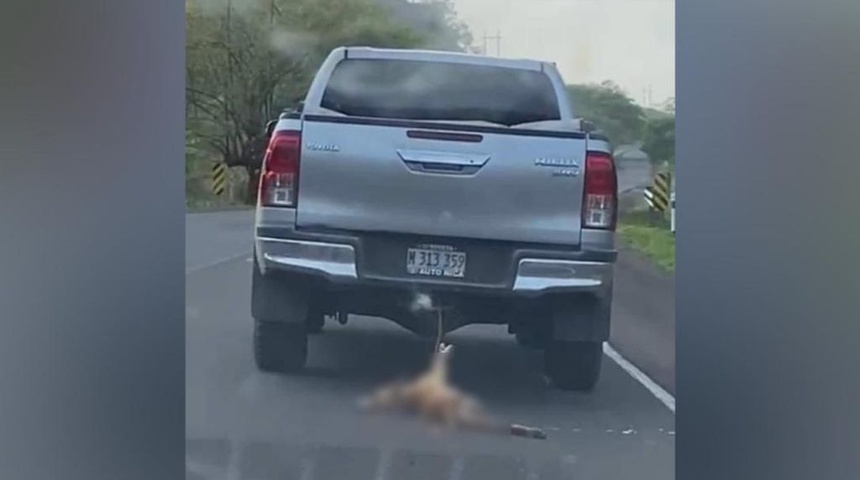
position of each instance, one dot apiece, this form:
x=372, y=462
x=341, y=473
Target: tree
x=435, y=21
x=247, y=61
x=659, y=142
x=610, y=109
x=243, y=67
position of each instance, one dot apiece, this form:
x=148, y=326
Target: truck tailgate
x=434, y=179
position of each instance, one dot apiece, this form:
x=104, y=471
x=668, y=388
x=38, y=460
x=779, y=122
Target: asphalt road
x=241, y=424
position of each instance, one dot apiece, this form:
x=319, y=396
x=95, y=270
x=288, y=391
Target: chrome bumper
x=328, y=259
x=337, y=263
x=537, y=275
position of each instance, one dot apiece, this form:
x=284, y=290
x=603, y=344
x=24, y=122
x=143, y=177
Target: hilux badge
x=323, y=147
x=556, y=162
x=566, y=167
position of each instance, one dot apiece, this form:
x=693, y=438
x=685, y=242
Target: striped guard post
x=661, y=191
x=649, y=197
x=219, y=178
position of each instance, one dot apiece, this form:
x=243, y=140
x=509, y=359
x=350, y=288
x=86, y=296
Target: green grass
x=653, y=239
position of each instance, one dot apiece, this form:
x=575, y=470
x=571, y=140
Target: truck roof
x=442, y=56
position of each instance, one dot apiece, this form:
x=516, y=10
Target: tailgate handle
x=429, y=158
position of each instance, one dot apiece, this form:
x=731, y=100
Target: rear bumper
x=336, y=259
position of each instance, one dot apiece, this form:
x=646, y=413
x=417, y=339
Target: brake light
x=600, y=198
x=279, y=178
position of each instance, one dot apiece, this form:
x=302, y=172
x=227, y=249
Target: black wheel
x=280, y=347
x=279, y=306
x=573, y=365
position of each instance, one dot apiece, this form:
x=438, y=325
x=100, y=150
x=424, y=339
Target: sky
x=631, y=42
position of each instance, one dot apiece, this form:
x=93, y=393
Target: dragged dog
x=432, y=397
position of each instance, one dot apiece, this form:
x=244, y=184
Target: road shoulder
x=643, y=318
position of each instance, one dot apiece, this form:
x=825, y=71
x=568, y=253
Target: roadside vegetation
x=249, y=60
x=653, y=130
x=649, y=236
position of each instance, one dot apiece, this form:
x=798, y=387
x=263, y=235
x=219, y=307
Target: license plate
x=435, y=261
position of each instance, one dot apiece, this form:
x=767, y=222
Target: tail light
x=600, y=198
x=279, y=178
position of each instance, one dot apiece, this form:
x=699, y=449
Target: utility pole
x=268, y=105
x=498, y=38
x=229, y=88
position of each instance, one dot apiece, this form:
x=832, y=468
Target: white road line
x=233, y=461
x=307, y=472
x=665, y=397
x=197, y=268
x=382, y=466
x=457, y=467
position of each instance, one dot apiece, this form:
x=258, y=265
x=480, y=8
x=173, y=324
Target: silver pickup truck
x=466, y=178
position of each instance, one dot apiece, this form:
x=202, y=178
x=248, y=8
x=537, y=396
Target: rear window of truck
x=419, y=90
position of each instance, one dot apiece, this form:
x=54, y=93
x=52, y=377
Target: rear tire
x=280, y=347
x=279, y=305
x=573, y=366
